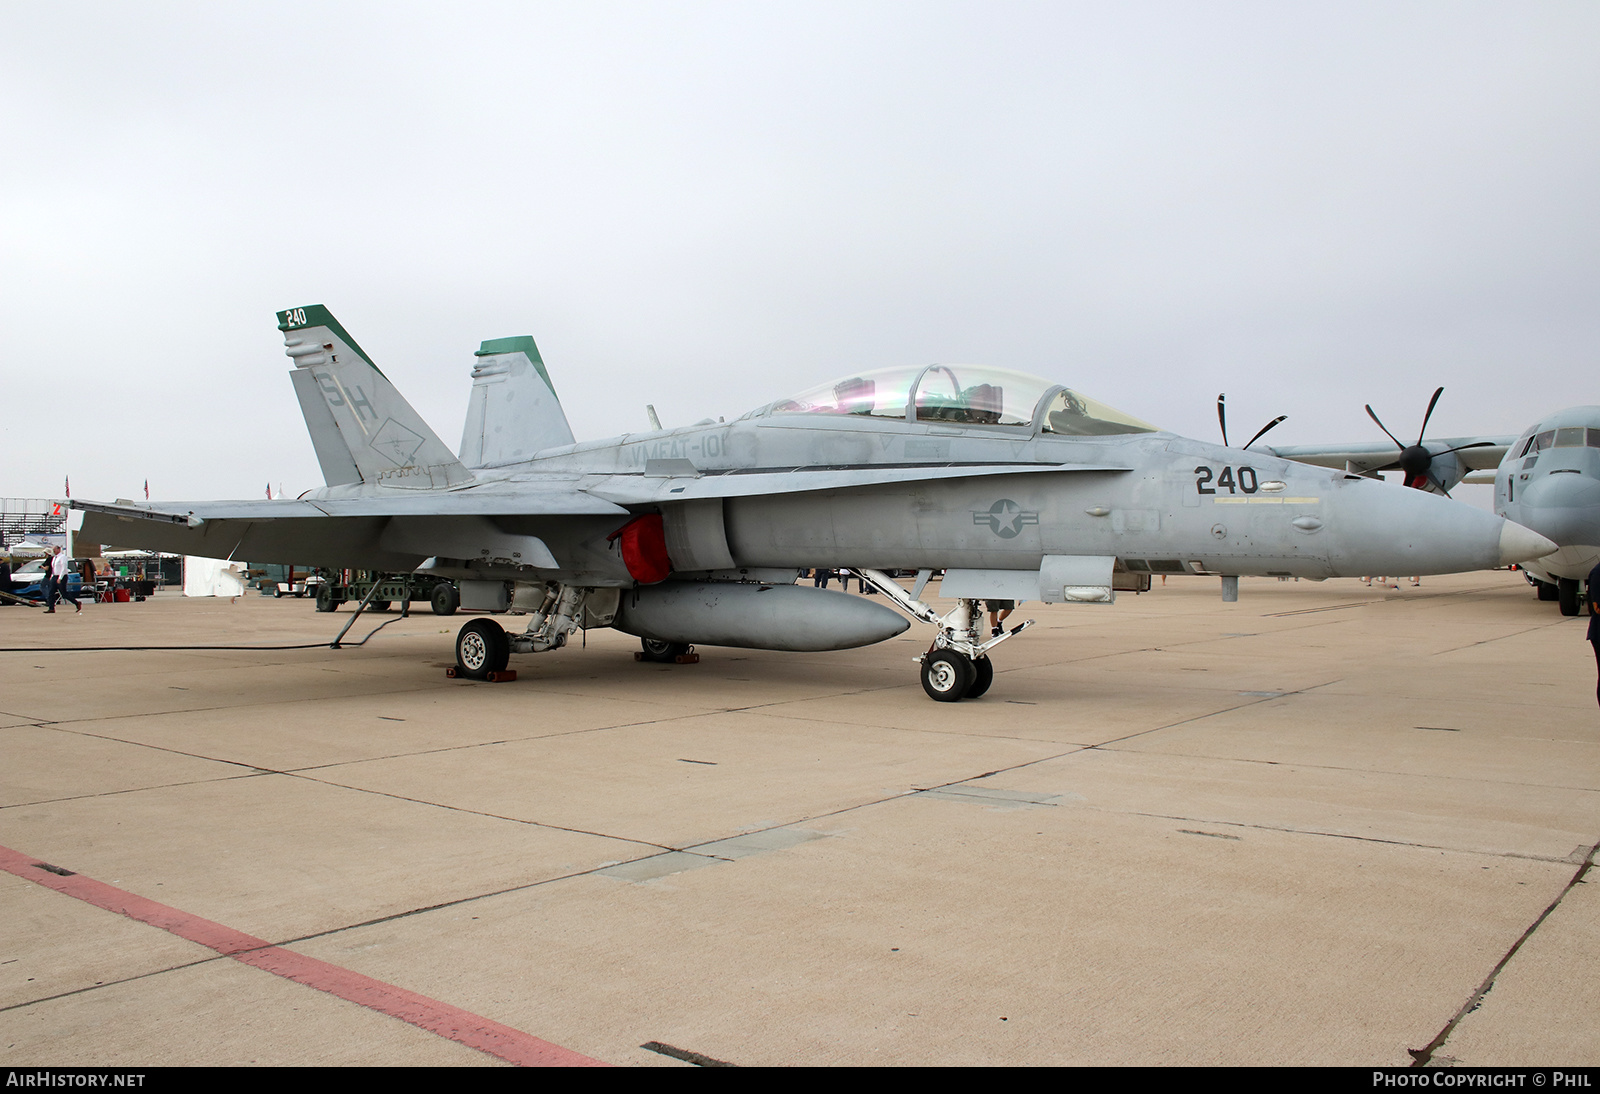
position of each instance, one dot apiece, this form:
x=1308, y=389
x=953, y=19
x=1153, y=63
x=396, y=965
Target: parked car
x=28, y=580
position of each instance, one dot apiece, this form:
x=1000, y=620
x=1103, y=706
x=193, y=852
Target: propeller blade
x=1222, y=419
x=1269, y=425
x=1464, y=447
x=1385, y=429
x=1431, y=404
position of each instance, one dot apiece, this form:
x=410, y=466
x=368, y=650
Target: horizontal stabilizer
x=540, y=501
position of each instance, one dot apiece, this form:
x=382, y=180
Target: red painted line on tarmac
x=464, y=1027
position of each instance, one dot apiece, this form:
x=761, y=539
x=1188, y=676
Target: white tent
x=28, y=547
x=212, y=577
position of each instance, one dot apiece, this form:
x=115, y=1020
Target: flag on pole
x=68, y=485
x=146, y=489
x=269, y=491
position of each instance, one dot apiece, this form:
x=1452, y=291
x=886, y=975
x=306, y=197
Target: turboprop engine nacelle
x=792, y=618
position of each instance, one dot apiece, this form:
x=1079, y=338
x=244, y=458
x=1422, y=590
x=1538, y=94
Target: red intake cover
x=644, y=548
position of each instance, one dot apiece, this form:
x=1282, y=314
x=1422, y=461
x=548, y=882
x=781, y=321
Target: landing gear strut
x=957, y=665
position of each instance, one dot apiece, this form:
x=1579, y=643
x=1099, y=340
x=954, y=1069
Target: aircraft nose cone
x=1380, y=529
x=1519, y=544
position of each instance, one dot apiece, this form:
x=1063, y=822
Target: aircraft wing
x=341, y=531
x=677, y=480
x=396, y=531
x=1370, y=455
x=532, y=500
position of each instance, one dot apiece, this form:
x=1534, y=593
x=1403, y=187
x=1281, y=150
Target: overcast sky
x=705, y=206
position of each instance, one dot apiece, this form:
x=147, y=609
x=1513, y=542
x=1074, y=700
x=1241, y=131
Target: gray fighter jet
x=1017, y=487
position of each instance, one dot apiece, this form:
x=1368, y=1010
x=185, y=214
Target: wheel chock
x=494, y=677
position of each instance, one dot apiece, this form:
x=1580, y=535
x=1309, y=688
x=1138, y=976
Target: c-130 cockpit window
x=961, y=395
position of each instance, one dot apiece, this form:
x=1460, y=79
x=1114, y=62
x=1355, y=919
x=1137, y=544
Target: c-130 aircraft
x=1017, y=487
x=1548, y=479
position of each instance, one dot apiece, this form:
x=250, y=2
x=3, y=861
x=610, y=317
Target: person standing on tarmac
x=1594, y=620
x=50, y=582
x=58, y=574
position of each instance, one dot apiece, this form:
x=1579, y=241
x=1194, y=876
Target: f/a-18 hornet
x=1017, y=487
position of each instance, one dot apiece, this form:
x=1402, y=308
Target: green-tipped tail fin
x=513, y=411
x=361, y=426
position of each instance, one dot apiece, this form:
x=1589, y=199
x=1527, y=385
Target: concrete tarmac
x=1311, y=827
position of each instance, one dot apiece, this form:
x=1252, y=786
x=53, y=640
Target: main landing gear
x=1567, y=591
x=665, y=653
x=482, y=647
x=1567, y=594
x=957, y=665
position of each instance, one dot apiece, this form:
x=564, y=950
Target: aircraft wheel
x=947, y=675
x=982, y=677
x=481, y=648
x=445, y=599
x=378, y=606
x=1546, y=590
x=1568, y=593
x=325, y=599
x=659, y=650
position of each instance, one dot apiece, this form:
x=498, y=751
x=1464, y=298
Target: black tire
x=1568, y=592
x=946, y=676
x=445, y=599
x=482, y=647
x=326, y=601
x=277, y=593
x=378, y=606
x=1546, y=590
x=662, y=651
x=982, y=677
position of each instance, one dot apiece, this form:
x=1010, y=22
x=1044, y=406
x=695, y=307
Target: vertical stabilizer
x=513, y=411
x=362, y=428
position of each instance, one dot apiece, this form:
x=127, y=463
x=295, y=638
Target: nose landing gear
x=957, y=665
x=948, y=676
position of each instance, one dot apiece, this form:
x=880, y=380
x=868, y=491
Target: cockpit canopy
x=962, y=395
